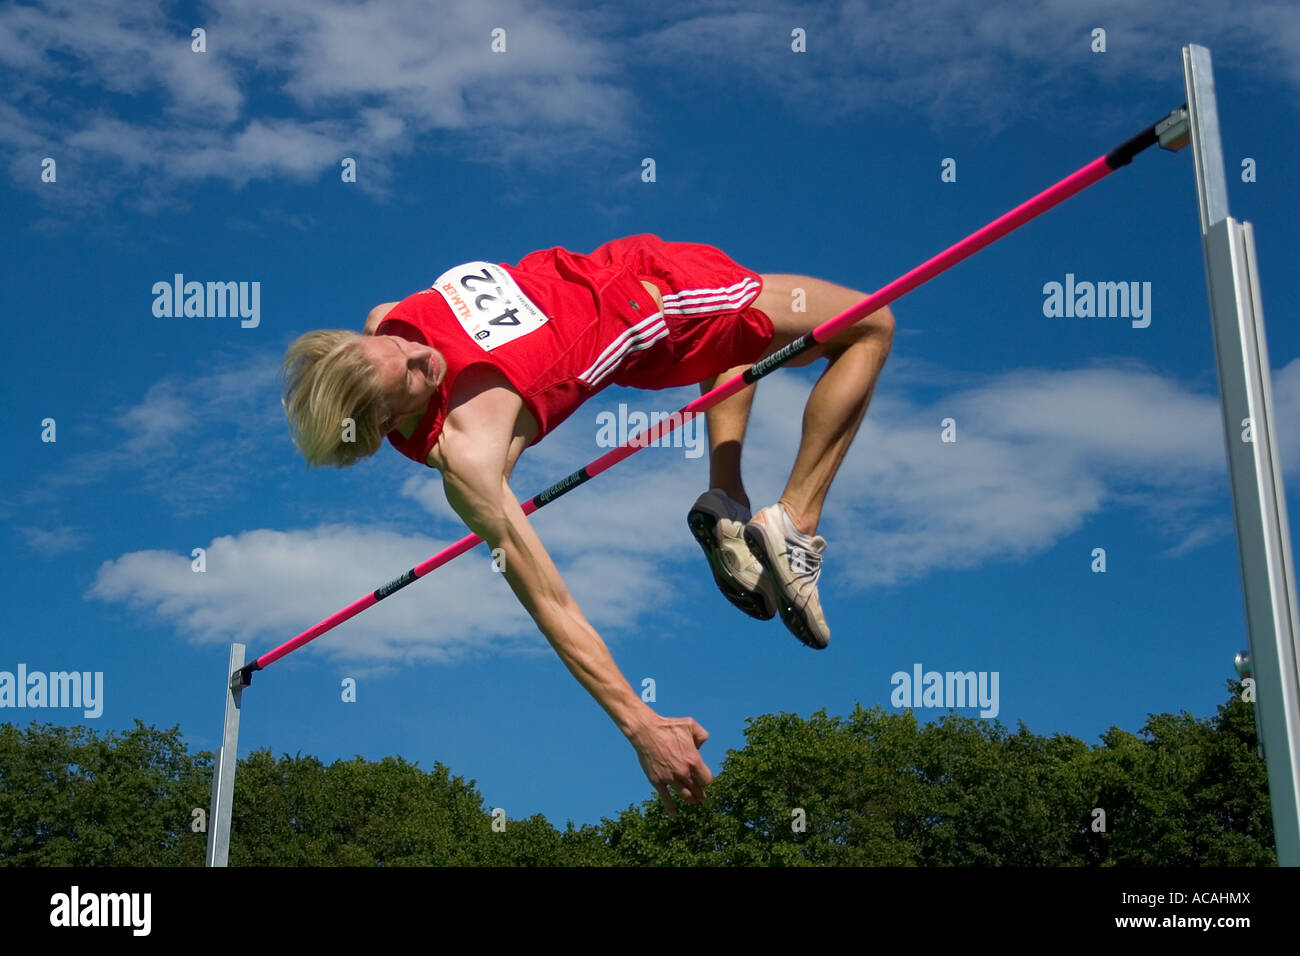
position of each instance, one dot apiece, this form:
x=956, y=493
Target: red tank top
x=559, y=326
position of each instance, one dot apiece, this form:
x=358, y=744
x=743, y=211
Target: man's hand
x=669, y=752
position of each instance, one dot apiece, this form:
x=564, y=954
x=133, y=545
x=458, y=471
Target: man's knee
x=875, y=331
x=797, y=304
x=882, y=325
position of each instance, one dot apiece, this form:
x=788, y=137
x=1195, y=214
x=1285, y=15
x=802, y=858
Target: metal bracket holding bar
x=1175, y=130
x=242, y=677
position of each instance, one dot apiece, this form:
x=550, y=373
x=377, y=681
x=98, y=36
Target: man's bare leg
x=718, y=517
x=839, y=400
x=782, y=537
x=727, y=421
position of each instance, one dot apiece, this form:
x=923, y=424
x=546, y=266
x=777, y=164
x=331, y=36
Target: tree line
x=875, y=788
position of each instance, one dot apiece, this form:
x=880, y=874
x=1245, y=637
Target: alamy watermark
x=25, y=688
x=208, y=300
x=1102, y=300
x=613, y=430
x=947, y=689
x=78, y=909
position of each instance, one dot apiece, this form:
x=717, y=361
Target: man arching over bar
x=464, y=375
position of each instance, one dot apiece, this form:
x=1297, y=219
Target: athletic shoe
x=716, y=521
x=793, y=569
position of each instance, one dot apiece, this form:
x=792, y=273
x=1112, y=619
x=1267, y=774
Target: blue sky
x=1073, y=433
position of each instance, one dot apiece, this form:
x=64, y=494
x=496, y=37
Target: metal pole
x=1258, y=501
x=223, y=770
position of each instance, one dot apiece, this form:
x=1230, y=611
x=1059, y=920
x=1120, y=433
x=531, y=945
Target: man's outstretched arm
x=668, y=748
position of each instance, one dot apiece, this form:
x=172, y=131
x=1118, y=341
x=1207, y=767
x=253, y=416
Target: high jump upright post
x=1258, y=502
x=223, y=770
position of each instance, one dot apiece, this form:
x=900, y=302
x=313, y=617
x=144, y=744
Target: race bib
x=489, y=303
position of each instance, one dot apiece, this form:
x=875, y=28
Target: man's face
x=410, y=373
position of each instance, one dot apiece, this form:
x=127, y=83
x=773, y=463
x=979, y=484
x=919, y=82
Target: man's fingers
x=690, y=776
x=689, y=790
x=666, y=796
x=700, y=779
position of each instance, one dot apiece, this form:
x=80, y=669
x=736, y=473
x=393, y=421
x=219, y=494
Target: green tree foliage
x=1193, y=793
x=298, y=812
x=877, y=789
x=71, y=798
x=873, y=789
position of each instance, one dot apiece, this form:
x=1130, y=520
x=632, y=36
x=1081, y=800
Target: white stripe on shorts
x=615, y=351
x=728, y=299
x=650, y=330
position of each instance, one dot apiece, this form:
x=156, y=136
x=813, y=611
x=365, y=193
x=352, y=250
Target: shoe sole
x=704, y=527
x=791, y=616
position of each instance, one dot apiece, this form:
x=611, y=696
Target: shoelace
x=805, y=564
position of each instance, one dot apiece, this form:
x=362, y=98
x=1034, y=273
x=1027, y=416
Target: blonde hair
x=327, y=380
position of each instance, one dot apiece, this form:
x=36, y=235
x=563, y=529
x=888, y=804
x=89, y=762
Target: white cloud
x=156, y=423
x=289, y=87
x=189, y=442
x=53, y=542
x=961, y=62
x=1038, y=454
x=264, y=587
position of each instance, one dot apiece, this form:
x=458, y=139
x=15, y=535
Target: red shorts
x=707, y=309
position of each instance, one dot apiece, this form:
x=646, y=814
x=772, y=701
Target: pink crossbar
x=995, y=230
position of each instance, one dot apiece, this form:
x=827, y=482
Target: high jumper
x=468, y=373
